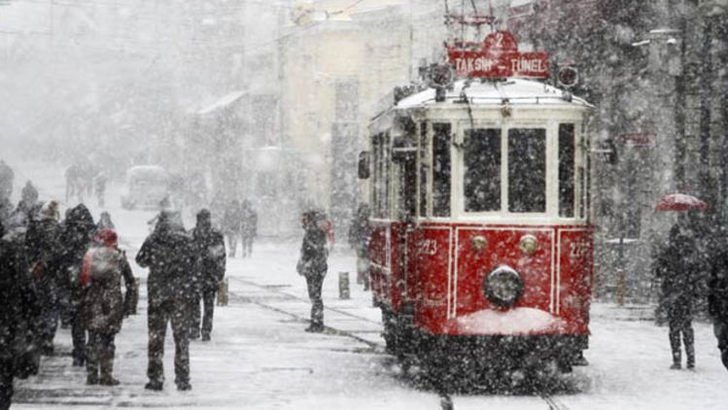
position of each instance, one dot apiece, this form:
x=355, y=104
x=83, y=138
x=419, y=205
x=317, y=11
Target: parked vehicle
x=146, y=187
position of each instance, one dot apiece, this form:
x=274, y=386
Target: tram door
x=405, y=178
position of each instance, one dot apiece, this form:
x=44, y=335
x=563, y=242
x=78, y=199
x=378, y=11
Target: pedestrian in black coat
x=169, y=254
x=677, y=267
x=77, y=237
x=718, y=296
x=44, y=250
x=209, y=270
x=19, y=317
x=312, y=264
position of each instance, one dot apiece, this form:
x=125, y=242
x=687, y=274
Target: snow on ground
x=260, y=358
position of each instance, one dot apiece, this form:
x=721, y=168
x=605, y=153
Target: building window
x=482, y=170
x=527, y=170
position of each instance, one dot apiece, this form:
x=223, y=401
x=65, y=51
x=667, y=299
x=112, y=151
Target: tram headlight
x=528, y=244
x=503, y=286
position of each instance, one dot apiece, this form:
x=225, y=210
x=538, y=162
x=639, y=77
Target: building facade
x=655, y=70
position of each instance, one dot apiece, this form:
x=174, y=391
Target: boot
x=92, y=378
x=108, y=381
x=315, y=328
x=690, y=352
x=154, y=385
x=107, y=369
x=676, y=360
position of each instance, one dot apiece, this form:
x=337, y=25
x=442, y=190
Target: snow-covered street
x=260, y=357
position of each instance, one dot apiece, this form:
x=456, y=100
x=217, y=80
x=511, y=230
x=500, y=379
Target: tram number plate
x=428, y=247
x=579, y=250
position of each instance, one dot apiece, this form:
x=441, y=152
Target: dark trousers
x=681, y=324
x=315, y=282
x=100, y=354
x=49, y=325
x=247, y=245
x=720, y=329
x=207, y=296
x=6, y=383
x=159, y=314
x=78, y=336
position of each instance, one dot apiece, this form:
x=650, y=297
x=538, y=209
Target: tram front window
x=441, y=170
x=527, y=170
x=482, y=161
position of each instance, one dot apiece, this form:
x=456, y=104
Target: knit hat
x=49, y=210
x=107, y=237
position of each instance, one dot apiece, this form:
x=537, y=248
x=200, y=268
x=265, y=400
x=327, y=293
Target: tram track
x=446, y=399
x=377, y=348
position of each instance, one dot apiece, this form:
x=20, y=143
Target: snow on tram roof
x=517, y=91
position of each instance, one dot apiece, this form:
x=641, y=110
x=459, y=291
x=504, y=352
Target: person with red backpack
x=103, y=306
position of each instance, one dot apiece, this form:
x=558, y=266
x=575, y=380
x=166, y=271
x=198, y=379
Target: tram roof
x=516, y=91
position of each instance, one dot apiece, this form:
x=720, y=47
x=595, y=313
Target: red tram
x=481, y=242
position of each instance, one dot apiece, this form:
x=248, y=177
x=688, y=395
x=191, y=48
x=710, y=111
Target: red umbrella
x=680, y=202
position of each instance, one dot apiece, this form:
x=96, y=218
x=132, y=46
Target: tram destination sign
x=499, y=58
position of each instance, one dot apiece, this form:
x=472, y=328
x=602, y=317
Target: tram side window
x=567, y=151
x=527, y=170
x=441, y=164
x=424, y=169
x=482, y=179
x=379, y=190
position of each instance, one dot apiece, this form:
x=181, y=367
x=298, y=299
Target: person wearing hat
x=168, y=252
x=102, y=306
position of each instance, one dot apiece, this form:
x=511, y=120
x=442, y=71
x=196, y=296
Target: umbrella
x=680, y=202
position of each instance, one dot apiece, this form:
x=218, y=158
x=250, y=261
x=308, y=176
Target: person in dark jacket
x=312, y=264
x=44, y=249
x=19, y=317
x=102, y=307
x=169, y=255
x=231, y=225
x=76, y=238
x=676, y=267
x=209, y=272
x=359, y=232
x=248, y=227
x=718, y=296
